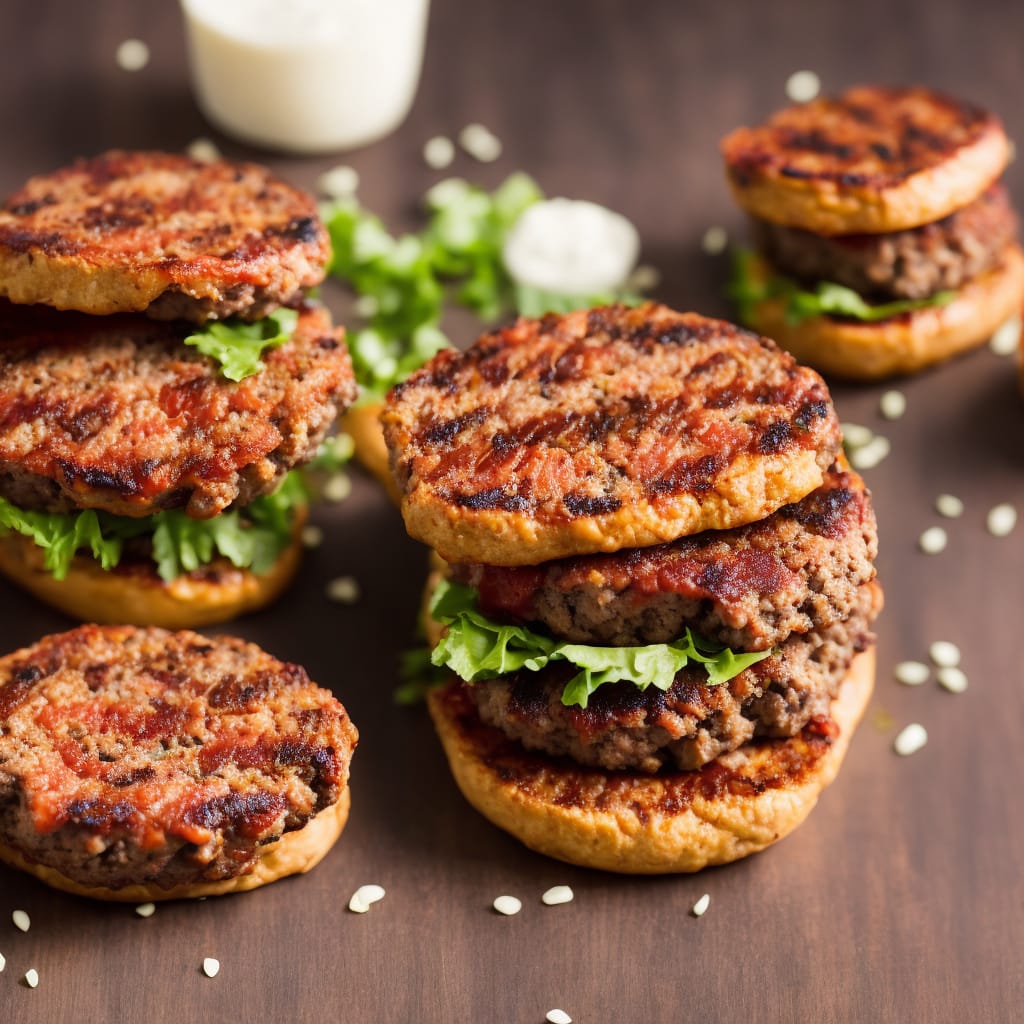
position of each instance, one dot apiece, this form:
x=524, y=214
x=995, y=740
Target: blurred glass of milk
x=306, y=76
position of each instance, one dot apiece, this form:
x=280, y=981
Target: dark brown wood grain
x=901, y=897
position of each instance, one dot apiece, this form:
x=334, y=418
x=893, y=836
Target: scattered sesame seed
x=145, y=909
x=507, y=905
x=211, y=967
x=3, y=962
x=556, y=895
x=366, y=306
x=910, y=740
x=32, y=977
x=892, y=405
x=203, y=149
x=952, y=678
x=802, y=86
x=949, y=505
x=715, y=241
x=344, y=589
x=856, y=435
x=1006, y=339
x=1001, y=520
x=438, y=152
x=870, y=455
x=911, y=673
x=21, y=920
x=558, y=1017
x=933, y=540
x=364, y=897
x=312, y=536
x=700, y=908
x=338, y=487
x=132, y=55
x=480, y=143
x=339, y=182
x=644, y=279
x=944, y=653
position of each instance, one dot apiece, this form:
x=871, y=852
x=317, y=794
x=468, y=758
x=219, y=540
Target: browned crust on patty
x=600, y=430
x=161, y=233
x=648, y=824
x=133, y=756
x=116, y=413
x=874, y=159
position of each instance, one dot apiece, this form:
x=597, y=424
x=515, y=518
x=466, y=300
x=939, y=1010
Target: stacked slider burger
x=161, y=373
x=659, y=586
x=885, y=241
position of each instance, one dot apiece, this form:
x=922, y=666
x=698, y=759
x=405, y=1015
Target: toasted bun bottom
x=362, y=424
x=135, y=595
x=902, y=344
x=647, y=824
x=294, y=853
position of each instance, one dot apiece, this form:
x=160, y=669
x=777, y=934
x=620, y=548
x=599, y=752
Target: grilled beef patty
x=142, y=756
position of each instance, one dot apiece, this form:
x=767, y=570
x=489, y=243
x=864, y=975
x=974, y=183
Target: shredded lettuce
x=238, y=345
x=748, y=287
x=476, y=648
x=249, y=539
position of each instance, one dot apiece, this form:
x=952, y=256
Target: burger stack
x=658, y=584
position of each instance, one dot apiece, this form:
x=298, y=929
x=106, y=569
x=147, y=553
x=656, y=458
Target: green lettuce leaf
x=476, y=648
x=249, y=539
x=747, y=288
x=238, y=345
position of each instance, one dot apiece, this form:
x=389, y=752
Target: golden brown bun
x=294, y=853
x=871, y=161
x=646, y=824
x=133, y=594
x=362, y=424
x=902, y=344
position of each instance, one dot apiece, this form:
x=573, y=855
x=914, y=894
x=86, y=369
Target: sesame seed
x=203, y=149
x=338, y=487
x=480, y=143
x=3, y=962
x=700, y=908
x=32, y=978
x=556, y=895
x=802, y=86
x=132, y=55
x=558, y=1017
x=871, y=454
x=344, y=590
x=312, y=536
x=644, y=279
x=856, y=435
x=211, y=967
x=1006, y=339
x=715, y=241
x=910, y=740
x=949, y=506
x=339, y=182
x=952, y=678
x=364, y=897
x=911, y=673
x=507, y=905
x=438, y=152
x=145, y=909
x=21, y=920
x=893, y=404
x=933, y=540
x=1001, y=520
x=944, y=653
x=366, y=306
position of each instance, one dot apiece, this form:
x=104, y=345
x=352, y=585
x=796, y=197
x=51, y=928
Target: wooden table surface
x=901, y=897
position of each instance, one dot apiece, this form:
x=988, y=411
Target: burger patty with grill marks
x=163, y=234
x=748, y=588
x=116, y=413
x=911, y=264
x=134, y=756
x=692, y=723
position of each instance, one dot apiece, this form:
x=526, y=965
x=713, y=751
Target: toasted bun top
x=873, y=160
x=600, y=430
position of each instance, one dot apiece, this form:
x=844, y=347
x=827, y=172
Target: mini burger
x=658, y=582
x=885, y=241
x=161, y=375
